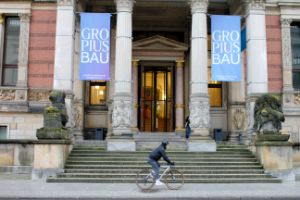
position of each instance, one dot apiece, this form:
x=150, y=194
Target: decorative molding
x=179, y=105
x=199, y=113
x=65, y=2
x=198, y=6
x=124, y=5
x=180, y=63
x=257, y=4
x=121, y=114
x=7, y=95
x=38, y=96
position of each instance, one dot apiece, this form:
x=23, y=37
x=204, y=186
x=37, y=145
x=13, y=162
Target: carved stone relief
x=239, y=118
x=7, y=95
x=38, y=95
x=121, y=116
x=286, y=42
x=297, y=99
x=199, y=114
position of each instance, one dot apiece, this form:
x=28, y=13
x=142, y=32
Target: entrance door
x=156, y=99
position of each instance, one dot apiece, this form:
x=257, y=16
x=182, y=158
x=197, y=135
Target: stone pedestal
x=49, y=158
x=277, y=158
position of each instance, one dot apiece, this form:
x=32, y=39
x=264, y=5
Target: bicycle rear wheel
x=144, y=180
x=174, y=179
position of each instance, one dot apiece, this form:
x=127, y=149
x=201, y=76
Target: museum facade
x=160, y=68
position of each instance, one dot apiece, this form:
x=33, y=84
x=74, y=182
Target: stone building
x=159, y=67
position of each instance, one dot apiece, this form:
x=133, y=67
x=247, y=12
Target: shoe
x=158, y=183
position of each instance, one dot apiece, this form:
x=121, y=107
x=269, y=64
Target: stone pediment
x=160, y=43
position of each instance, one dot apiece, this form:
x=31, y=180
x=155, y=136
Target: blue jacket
x=159, y=152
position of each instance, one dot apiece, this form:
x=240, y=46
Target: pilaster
x=179, y=106
x=135, y=64
x=23, y=50
x=257, y=68
x=2, y=21
x=287, y=67
x=64, y=43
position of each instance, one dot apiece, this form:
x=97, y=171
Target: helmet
x=164, y=143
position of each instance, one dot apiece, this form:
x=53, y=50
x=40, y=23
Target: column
x=121, y=139
x=64, y=46
x=199, y=100
x=23, y=50
x=257, y=68
x=135, y=64
x=179, y=106
x=287, y=65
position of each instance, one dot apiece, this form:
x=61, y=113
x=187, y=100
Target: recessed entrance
x=156, y=99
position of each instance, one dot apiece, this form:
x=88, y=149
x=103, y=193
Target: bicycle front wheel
x=144, y=180
x=174, y=179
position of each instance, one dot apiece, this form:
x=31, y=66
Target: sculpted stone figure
x=268, y=114
x=55, y=118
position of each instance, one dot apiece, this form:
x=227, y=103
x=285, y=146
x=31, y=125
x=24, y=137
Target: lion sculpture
x=268, y=114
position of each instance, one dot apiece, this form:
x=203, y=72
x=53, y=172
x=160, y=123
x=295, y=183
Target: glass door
x=156, y=100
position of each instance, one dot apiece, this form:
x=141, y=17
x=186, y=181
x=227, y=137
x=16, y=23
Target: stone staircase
x=230, y=164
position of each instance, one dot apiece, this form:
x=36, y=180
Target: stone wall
x=273, y=31
x=21, y=126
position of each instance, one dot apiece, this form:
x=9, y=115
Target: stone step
x=179, y=163
x=133, y=175
x=144, y=165
x=143, y=156
x=184, y=171
x=87, y=151
x=208, y=180
x=175, y=159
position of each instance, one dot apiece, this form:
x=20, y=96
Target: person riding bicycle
x=154, y=156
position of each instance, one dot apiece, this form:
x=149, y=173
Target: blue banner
x=226, y=48
x=94, y=46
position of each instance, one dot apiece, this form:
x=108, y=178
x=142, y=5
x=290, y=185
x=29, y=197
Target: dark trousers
x=155, y=167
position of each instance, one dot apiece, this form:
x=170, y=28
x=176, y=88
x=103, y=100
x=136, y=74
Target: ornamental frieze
x=34, y=95
x=7, y=95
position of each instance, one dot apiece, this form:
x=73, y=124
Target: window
x=214, y=87
x=3, y=132
x=214, y=91
x=295, y=36
x=98, y=90
x=11, y=51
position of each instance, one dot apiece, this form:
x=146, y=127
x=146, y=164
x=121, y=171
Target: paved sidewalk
x=28, y=189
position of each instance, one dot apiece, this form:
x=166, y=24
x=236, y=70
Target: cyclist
x=154, y=156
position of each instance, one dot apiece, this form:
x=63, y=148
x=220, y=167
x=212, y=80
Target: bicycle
x=171, y=177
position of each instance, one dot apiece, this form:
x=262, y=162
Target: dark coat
x=159, y=152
